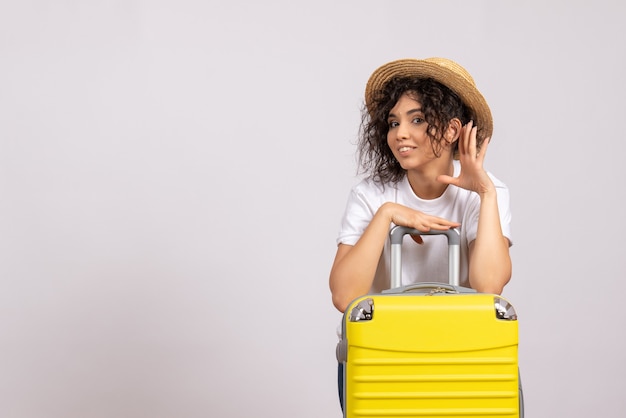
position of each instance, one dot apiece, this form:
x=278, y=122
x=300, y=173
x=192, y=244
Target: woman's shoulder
x=370, y=186
x=497, y=182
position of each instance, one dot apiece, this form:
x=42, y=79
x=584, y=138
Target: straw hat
x=446, y=72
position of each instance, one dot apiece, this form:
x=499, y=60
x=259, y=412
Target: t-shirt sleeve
x=504, y=208
x=357, y=216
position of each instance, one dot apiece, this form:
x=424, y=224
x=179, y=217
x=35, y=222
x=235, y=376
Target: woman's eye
x=393, y=124
x=418, y=120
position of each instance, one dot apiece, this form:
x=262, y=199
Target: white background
x=173, y=173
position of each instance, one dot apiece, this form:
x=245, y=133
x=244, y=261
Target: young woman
x=424, y=136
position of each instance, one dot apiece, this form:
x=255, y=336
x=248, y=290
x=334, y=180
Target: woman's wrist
x=488, y=193
x=386, y=211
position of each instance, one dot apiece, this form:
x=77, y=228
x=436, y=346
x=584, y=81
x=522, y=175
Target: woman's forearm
x=490, y=262
x=355, y=266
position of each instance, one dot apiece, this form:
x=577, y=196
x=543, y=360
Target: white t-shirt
x=427, y=262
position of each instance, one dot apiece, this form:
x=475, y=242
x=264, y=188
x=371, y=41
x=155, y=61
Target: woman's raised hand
x=472, y=176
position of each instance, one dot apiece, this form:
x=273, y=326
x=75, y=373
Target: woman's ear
x=453, y=131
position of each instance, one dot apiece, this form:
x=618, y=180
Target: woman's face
x=407, y=136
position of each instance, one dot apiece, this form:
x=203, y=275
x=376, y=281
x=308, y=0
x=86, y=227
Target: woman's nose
x=402, y=132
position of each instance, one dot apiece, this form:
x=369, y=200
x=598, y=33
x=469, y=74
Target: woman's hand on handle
x=405, y=216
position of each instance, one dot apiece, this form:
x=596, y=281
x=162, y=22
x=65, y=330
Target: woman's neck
x=424, y=181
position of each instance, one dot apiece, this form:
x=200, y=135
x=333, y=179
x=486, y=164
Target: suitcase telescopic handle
x=454, y=252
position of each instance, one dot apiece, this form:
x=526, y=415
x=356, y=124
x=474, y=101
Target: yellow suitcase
x=430, y=350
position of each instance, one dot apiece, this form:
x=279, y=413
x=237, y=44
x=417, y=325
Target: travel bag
x=430, y=349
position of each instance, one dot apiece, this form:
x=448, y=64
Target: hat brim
x=446, y=72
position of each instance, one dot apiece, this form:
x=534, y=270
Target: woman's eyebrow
x=409, y=112
x=416, y=110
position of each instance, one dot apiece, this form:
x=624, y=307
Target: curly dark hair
x=439, y=104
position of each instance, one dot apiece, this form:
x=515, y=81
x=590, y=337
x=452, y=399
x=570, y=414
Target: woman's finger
x=483, y=149
x=463, y=138
x=472, y=148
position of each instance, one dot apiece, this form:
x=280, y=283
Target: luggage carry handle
x=454, y=253
x=432, y=286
